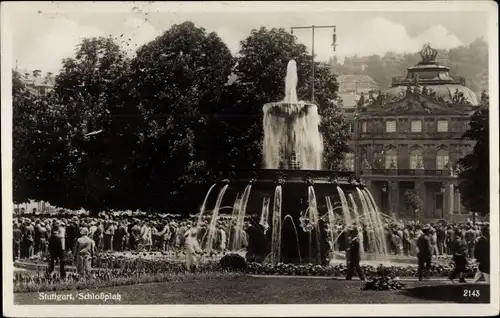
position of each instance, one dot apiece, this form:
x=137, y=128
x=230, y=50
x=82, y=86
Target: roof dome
x=445, y=91
x=433, y=76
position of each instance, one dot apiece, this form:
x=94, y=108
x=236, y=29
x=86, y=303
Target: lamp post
x=334, y=44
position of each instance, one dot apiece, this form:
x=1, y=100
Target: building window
x=442, y=159
x=349, y=161
x=391, y=159
x=416, y=158
x=416, y=126
x=364, y=127
x=390, y=126
x=351, y=126
x=442, y=126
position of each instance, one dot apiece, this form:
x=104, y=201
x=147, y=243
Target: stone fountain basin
x=289, y=176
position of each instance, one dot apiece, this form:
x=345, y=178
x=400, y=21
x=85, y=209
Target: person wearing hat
x=72, y=233
x=424, y=254
x=109, y=232
x=44, y=237
x=120, y=237
x=192, y=249
x=17, y=237
x=459, y=251
x=482, y=255
x=56, y=252
x=353, y=255
x=83, y=253
x=28, y=239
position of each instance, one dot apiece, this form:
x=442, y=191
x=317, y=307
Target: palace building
x=407, y=141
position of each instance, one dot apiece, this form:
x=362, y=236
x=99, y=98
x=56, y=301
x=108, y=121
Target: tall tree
x=177, y=80
x=25, y=116
x=85, y=95
x=261, y=70
x=475, y=167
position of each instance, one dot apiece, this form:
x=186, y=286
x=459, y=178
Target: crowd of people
x=56, y=237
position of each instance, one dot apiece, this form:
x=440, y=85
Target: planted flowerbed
x=436, y=270
x=111, y=270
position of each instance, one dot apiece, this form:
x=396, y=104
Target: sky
x=43, y=35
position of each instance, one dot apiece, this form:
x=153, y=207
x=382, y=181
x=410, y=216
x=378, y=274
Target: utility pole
x=334, y=44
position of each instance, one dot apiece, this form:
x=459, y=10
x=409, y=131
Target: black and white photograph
x=284, y=155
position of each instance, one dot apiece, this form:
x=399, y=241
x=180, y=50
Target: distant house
x=37, y=82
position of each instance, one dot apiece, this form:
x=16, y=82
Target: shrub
x=233, y=262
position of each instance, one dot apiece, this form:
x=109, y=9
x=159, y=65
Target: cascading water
x=202, y=209
x=276, y=230
x=378, y=222
x=239, y=230
x=357, y=218
x=288, y=216
x=331, y=224
x=314, y=220
x=373, y=240
x=291, y=128
x=345, y=207
x=212, y=230
x=264, y=217
x=234, y=220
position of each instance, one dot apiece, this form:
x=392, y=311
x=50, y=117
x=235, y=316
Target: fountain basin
x=344, y=178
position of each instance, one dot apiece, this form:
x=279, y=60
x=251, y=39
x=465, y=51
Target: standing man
x=354, y=256
x=441, y=236
x=56, y=253
x=470, y=238
x=83, y=253
x=17, y=237
x=424, y=252
x=482, y=255
x=459, y=251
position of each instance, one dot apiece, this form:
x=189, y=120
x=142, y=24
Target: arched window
x=442, y=159
x=349, y=161
x=416, y=158
x=391, y=159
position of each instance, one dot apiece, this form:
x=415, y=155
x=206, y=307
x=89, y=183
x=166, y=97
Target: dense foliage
x=152, y=132
x=475, y=166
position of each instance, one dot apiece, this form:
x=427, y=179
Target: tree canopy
x=152, y=131
x=475, y=167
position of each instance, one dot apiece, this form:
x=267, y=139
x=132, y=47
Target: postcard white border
x=244, y=310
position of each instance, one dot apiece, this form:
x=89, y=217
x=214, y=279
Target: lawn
x=269, y=290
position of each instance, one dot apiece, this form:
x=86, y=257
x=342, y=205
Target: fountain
x=293, y=182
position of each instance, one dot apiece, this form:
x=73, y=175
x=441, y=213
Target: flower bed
x=113, y=270
x=436, y=270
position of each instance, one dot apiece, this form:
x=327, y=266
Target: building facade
x=407, y=141
x=36, y=82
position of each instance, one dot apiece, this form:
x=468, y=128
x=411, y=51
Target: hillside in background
x=470, y=62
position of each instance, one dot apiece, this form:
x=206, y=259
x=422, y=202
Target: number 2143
x=471, y=293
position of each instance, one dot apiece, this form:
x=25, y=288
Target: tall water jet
x=373, y=240
x=291, y=130
x=357, y=218
x=296, y=234
x=234, y=220
x=276, y=230
x=202, y=209
x=239, y=231
x=378, y=221
x=345, y=207
x=331, y=224
x=264, y=217
x=313, y=215
x=213, y=221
